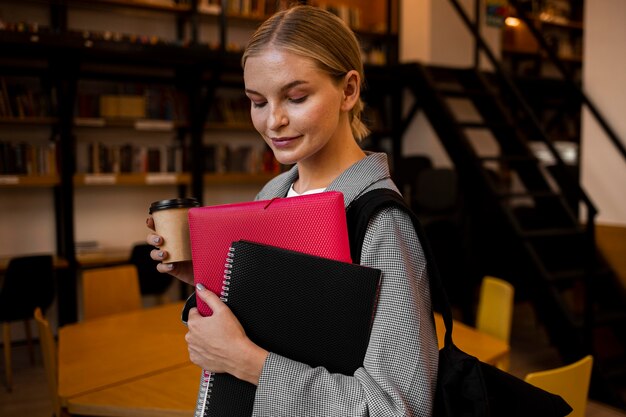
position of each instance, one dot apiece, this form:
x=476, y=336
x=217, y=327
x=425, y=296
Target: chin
x=284, y=158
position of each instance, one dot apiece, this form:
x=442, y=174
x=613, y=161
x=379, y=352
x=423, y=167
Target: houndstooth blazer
x=399, y=374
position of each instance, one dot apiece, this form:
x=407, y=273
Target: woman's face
x=295, y=106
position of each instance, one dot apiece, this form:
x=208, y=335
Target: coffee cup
x=172, y=224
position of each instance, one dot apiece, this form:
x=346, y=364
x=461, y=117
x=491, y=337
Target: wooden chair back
x=110, y=290
x=495, y=311
x=571, y=382
x=49, y=354
x=495, y=308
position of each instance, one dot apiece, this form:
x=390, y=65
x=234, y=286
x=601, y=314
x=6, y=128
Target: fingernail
x=200, y=287
x=169, y=266
x=156, y=239
x=160, y=254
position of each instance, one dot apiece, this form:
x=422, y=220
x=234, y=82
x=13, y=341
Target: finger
x=193, y=312
x=211, y=299
x=158, y=254
x=154, y=240
x=150, y=222
x=167, y=268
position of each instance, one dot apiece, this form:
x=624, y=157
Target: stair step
x=610, y=318
x=573, y=231
x=462, y=92
x=509, y=158
x=530, y=194
x=566, y=276
x=484, y=125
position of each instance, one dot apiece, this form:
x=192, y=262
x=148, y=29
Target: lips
x=283, y=141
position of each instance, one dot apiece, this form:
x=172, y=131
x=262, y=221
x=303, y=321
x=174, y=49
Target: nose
x=277, y=118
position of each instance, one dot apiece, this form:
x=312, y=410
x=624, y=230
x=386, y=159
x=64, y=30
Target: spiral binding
x=227, y=272
x=207, y=378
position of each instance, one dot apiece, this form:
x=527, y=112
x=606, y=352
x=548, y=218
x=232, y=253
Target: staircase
x=527, y=212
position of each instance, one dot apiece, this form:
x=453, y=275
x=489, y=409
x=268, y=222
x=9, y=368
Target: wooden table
x=67, y=280
x=485, y=347
x=136, y=364
x=98, y=257
x=131, y=364
x=169, y=393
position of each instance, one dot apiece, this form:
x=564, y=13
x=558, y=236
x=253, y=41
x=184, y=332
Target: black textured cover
x=307, y=308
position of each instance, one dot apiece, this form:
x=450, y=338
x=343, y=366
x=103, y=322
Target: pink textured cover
x=312, y=223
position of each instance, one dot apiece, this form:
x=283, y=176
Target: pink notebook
x=313, y=224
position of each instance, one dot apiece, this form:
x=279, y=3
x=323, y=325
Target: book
x=313, y=223
x=307, y=308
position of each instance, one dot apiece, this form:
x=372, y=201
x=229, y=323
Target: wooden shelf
x=559, y=22
x=153, y=125
x=132, y=179
x=28, y=121
x=536, y=54
x=233, y=127
x=157, y=5
x=29, y=180
x=236, y=178
x=136, y=124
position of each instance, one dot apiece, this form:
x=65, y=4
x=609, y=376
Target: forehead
x=276, y=66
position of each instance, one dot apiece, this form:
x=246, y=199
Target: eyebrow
x=284, y=88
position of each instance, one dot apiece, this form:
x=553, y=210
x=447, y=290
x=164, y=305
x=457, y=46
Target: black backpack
x=465, y=386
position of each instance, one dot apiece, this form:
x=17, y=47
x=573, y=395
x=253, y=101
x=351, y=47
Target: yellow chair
x=495, y=311
x=571, y=382
x=17, y=300
x=49, y=354
x=110, y=290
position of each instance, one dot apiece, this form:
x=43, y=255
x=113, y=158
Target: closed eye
x=298, y=100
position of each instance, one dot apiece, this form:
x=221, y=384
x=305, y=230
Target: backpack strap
x=358, y=215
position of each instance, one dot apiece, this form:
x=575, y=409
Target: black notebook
x=307, y=308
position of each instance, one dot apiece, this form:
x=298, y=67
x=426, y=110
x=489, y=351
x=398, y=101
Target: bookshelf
x=28, y=145
x=101, y=66
x=560, y=22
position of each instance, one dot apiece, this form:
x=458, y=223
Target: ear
x=351, y=90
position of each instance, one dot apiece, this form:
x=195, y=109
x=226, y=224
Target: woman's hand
x=219, y=344
x=181, y=270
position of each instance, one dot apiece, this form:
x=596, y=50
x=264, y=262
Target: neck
x=327, y=164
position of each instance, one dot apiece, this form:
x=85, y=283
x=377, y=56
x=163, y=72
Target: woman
x=303, y=74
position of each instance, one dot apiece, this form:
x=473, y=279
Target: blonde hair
x=314, y=33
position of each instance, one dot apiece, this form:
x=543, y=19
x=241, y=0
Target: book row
x=23, y=98
x=138, y=102
x=27, y=158
x=98, y=158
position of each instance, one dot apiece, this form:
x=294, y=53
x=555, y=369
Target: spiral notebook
x=313, y=223
x=307, y=308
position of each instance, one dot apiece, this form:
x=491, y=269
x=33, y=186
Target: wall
x=604, y=80
x=26, y=214
x=111, y=215
x=432, y=33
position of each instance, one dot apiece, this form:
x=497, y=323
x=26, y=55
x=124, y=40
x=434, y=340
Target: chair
x=49, y=354
x=495, y=311
x=28, y=283
x=110, y=290
x=436, y=195
x=151, y=281
x=571, y=382
x=406, y=172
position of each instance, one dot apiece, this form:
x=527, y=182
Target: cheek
x=258, y=121
x=319, y=116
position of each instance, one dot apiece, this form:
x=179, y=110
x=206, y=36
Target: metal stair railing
x=508, y=82
x=569, y=79
x=591, y=210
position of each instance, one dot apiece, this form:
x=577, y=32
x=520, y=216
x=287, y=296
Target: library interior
x=500, y=119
